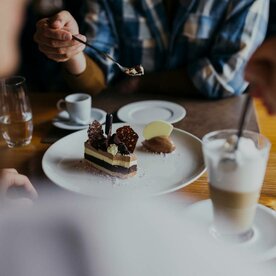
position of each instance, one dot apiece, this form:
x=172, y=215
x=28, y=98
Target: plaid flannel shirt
x=212, y=39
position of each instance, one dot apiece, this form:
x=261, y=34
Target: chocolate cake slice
x=112, y=154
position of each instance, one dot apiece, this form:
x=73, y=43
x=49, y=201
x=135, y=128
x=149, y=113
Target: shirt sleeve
x=101, y=33
x=91, y=80
x=220, y=74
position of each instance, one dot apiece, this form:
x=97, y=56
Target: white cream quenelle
x=157, y=137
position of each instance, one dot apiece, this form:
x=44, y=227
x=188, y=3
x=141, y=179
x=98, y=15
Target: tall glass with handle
x=15, y=112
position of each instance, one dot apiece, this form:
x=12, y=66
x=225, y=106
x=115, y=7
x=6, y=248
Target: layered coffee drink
x=235, y=180
x=234, y=212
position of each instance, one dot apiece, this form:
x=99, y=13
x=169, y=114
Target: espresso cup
x=78, y=106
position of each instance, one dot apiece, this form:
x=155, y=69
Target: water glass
x=235, y=180
x=15, y=112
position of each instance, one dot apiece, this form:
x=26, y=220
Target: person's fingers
x=266, y=96
x=67, y=55
x=43, y=23
x=265, y=52
x=59, y=51
x=261, y=73
x=47, y=32
x=30, y=189
x=8, y=170
x=58, y=27
x=255, y=92
x=60, y=20
x=55, y=44
x=81, y=37
x=271, y=109
x=42, y=40
x=43, y=29
x=258, y=73
x=65, y=51
x=271, y=100
x=17, y=180
x=57, y=34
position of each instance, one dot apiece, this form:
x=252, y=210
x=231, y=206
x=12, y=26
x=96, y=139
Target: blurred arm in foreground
x=261, y=73
x=189, y=48
x=72, y=237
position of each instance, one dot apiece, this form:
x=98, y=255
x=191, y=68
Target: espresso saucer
x=144, y=112
x=63, y=121
x=263, y=243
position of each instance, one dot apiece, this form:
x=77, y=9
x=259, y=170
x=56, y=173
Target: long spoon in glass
x=230, y=162
x=137, y=70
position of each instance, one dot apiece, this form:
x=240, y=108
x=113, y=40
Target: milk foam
x=249, y=174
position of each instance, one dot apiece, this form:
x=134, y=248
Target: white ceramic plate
x=145, y=112
x=63, y=163
x=263, y=243
x=62, y=119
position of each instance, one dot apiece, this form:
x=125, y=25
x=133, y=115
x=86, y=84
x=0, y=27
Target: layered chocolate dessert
x=157, y=137
x=111, y=153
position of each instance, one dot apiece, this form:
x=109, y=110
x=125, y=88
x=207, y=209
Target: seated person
x=185, y=44
x=10, y=21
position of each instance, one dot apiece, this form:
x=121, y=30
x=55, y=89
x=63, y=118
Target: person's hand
x=54, y=37
x=11, y=179
x=261, y=73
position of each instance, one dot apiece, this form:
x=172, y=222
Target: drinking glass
x=15, y=112
x=235, y=179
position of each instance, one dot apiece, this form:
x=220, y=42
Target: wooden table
x=202, y=117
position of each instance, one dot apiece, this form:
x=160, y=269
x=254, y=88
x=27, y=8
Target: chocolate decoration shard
x=114, y=140
x=95, y=131
x=108, y=124
x=128, y=137
x=122, y=148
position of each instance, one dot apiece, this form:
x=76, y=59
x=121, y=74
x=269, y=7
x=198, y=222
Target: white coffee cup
x=78, y=106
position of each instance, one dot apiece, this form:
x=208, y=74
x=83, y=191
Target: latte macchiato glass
x=235, y=181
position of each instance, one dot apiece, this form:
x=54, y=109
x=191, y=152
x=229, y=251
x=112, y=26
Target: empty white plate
x=63, y=121
x=144, y=112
